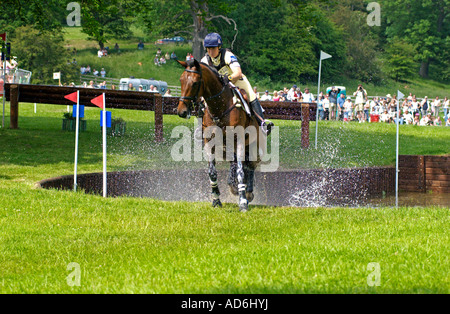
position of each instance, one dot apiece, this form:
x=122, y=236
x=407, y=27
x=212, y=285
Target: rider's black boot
x=266, y=125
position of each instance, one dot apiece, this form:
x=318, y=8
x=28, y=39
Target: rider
x=228, y=66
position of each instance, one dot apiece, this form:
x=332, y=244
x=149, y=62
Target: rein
x=194, y=99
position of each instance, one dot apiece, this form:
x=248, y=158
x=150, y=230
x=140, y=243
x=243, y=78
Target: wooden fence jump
x=135, y=100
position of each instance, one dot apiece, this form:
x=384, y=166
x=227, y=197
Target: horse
x=200, y=82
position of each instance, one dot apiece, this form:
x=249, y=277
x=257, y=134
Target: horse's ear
x=183, y=63
x=196, y=64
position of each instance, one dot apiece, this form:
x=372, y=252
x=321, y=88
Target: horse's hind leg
x=250, y=178
x=243, y=202
x=212, y=172
x=232, y=180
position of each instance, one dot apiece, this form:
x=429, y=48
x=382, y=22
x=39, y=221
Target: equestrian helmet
x=212, y=40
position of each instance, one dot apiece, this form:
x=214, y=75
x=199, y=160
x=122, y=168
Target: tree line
x=275, y=40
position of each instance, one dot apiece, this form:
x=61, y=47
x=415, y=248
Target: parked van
x=161, y=86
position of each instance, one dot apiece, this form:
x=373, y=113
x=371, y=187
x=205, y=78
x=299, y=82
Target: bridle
x=194, y=99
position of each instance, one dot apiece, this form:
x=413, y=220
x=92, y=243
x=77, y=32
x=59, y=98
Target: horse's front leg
x=250, y=176
x=210, y=150
x=212, y=172
x=242, y=187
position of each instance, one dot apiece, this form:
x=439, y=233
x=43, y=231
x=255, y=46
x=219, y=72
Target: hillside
x=130, y=61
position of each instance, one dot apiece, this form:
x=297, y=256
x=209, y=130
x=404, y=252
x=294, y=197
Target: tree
x=43, y=53
x=42, y=15
x=421, y=23
x=105, y=19
x=362, y=45
x=280, y=40
x=400, y=60
x=192, y=17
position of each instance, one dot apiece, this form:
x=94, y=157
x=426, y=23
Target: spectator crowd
x=161, y=59
x=336, y=105
x=9, y=67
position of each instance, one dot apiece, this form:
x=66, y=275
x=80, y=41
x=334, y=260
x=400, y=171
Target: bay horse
x=201, y=82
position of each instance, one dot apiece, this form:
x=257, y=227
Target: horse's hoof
x=234, y=190
x=243, y=207
x=249, y=196
x=217, y=203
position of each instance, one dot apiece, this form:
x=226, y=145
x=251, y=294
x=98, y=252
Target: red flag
x=98, y=101
x=3, y=36
x=72, y=97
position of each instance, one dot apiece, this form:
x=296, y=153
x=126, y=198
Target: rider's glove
x=226, y=79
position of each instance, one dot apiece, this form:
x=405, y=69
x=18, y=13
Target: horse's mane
x=191, y=63
x=213, y=69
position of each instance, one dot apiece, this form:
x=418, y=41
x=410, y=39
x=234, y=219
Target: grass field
x=138, y=245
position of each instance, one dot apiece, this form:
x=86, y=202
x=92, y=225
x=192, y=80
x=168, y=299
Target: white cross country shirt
x=230, y=60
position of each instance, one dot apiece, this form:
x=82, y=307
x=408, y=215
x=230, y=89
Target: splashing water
x=324, y=186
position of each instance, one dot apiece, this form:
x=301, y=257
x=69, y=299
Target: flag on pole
x=324, y=55
x=72, y=97
x=400, y=95
x=99, y=101
x=3, y=36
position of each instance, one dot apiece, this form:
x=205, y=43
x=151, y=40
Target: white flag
x=56, y=75
x=324, y=55
x=399, y=95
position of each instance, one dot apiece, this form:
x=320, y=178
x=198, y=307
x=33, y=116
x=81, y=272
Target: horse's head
x=191, y=83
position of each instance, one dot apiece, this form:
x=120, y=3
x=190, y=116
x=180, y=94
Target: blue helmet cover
x=212, y=40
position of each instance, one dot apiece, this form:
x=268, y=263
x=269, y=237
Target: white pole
x=318, y=92
x=4, y=78
x=77, y=124
x=323, y=56
x=104, y=146
x=34, y=107
x=399, y=96
x=396, y=161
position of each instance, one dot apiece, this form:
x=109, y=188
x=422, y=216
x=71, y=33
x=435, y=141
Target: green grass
x=144, y=246
x=139, y=245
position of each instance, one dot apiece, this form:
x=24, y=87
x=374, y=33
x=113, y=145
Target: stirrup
x=266, y=127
